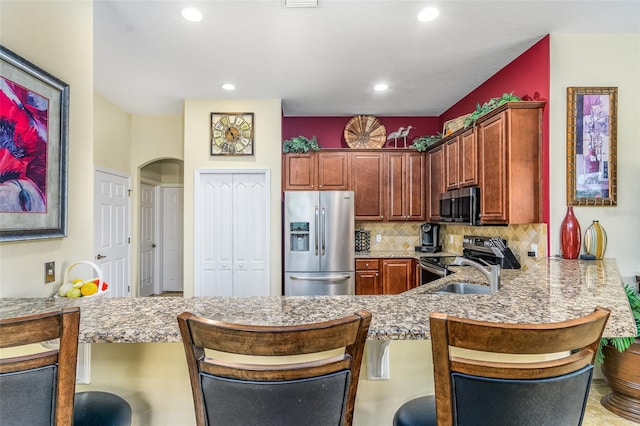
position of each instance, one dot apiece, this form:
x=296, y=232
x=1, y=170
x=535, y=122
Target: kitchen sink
x=464, y=288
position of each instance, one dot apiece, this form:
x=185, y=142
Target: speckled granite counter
x=552, y=290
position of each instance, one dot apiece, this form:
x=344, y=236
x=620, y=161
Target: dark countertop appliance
x=492, y=250
x=429, y=234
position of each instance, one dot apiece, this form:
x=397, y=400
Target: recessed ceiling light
x=381, y=87
x=228, y=86
x=191, y=14
x=428, y=14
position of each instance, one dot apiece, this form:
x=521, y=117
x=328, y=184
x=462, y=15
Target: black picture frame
x=34, y=119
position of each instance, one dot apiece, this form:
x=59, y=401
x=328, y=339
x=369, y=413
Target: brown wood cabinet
x=397, y=275
x=298, y=172
x=333, y=170
x=407, y=186
x=368, y=184
x=436, y=182
x=368, y=276
x=461, y=158
x=509, y=148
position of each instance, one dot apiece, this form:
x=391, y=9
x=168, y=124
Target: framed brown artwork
x=592, y=114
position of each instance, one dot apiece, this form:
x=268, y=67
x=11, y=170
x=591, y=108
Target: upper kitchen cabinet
x=299, y=172
x=436, y=183
x=368, y=184
x=461, y=159
x=509, y=172
x=333, y=170
x=407, y=186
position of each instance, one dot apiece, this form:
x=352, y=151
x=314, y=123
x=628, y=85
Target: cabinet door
x=397, y=275
x=368, y=184
x=416, y=187
x=407, y=186
x=333, y=171
x=298, y=172
x=397, y=183
x=436, y=184
x=468, y=158
x=492, y=157
x=452, y=157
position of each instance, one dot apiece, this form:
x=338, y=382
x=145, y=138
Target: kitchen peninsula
x=552, y=290
x=151, y=374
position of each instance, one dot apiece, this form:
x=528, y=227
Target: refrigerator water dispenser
x=299, y=232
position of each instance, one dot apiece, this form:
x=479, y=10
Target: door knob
x=153, y=246
x=100, y=257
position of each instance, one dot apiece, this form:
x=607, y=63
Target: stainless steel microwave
x=461, y=206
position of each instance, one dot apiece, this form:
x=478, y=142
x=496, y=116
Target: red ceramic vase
x=570, y=235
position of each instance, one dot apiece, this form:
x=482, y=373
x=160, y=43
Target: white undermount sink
x=464, y=288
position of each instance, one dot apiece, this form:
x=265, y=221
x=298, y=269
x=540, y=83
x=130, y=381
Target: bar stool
x=244, y=392
x=469, y=391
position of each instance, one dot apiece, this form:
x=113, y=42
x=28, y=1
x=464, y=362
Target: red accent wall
x=329, y=130
x=527, y=76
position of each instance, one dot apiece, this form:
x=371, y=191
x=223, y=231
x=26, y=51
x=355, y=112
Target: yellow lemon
x=88, y=289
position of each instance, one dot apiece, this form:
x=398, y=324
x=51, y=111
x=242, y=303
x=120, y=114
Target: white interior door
x=111, y=230
x=147, y=240
x=172, y=238
x=231, y=233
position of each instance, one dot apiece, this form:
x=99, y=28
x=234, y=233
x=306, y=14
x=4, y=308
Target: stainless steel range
x=490, y=250
x=433, y=268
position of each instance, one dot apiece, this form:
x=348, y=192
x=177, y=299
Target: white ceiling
x=324, y=61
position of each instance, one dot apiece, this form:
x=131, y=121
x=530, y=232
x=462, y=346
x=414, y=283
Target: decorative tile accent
x=406, y=235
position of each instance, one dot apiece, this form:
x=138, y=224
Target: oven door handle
x=443, y=272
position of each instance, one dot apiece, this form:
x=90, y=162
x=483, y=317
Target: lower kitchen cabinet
x=397, y=275
x=368, y=276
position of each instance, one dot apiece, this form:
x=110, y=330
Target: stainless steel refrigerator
x=319, y=256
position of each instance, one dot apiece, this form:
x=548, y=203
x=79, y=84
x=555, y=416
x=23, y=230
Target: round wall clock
x=231, y=133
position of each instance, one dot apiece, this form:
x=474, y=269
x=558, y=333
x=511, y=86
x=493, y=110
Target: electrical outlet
x=534, y=248
x=378, y=238
x=450, y=239
x=49, y=272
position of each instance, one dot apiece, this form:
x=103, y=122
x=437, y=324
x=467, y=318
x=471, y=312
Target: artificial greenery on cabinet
x=300, y=144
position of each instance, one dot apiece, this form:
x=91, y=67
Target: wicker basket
x=454, y=125
x=67, y=277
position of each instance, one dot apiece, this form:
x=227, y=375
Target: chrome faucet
x=492, y=272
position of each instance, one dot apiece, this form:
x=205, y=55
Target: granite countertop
x=549, y=291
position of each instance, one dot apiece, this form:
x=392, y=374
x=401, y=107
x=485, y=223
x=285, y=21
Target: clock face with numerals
x=231, y=133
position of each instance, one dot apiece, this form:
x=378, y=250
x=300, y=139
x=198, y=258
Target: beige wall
x=58, y=37
x=599, y=60
x=267, y=149
x=111, y=136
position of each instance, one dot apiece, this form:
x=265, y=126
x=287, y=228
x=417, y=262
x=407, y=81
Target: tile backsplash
x=406, y=235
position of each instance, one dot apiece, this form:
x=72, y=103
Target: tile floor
x=596, y=414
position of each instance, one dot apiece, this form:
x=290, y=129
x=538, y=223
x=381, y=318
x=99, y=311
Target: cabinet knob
x=366, y=265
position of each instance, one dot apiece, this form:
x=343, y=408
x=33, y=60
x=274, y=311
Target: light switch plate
x=49, y=272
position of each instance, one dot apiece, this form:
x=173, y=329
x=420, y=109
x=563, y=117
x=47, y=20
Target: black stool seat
x=417, y=412
x=100, y=409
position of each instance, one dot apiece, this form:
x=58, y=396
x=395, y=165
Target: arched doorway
x=160, y=228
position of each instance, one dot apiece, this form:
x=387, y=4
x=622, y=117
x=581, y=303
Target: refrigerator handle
x=324, y=220
x=317, y=230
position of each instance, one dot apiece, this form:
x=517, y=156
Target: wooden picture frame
x=592, y=114
x=232, y=133
x=34, y=117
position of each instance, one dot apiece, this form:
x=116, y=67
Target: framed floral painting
x=592, y=114
x=34, y=115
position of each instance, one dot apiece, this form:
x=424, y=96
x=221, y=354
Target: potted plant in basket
x=300, y=144
x=620, y=358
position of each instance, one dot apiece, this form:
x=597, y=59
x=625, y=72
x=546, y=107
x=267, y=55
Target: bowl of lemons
x=73, y=286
